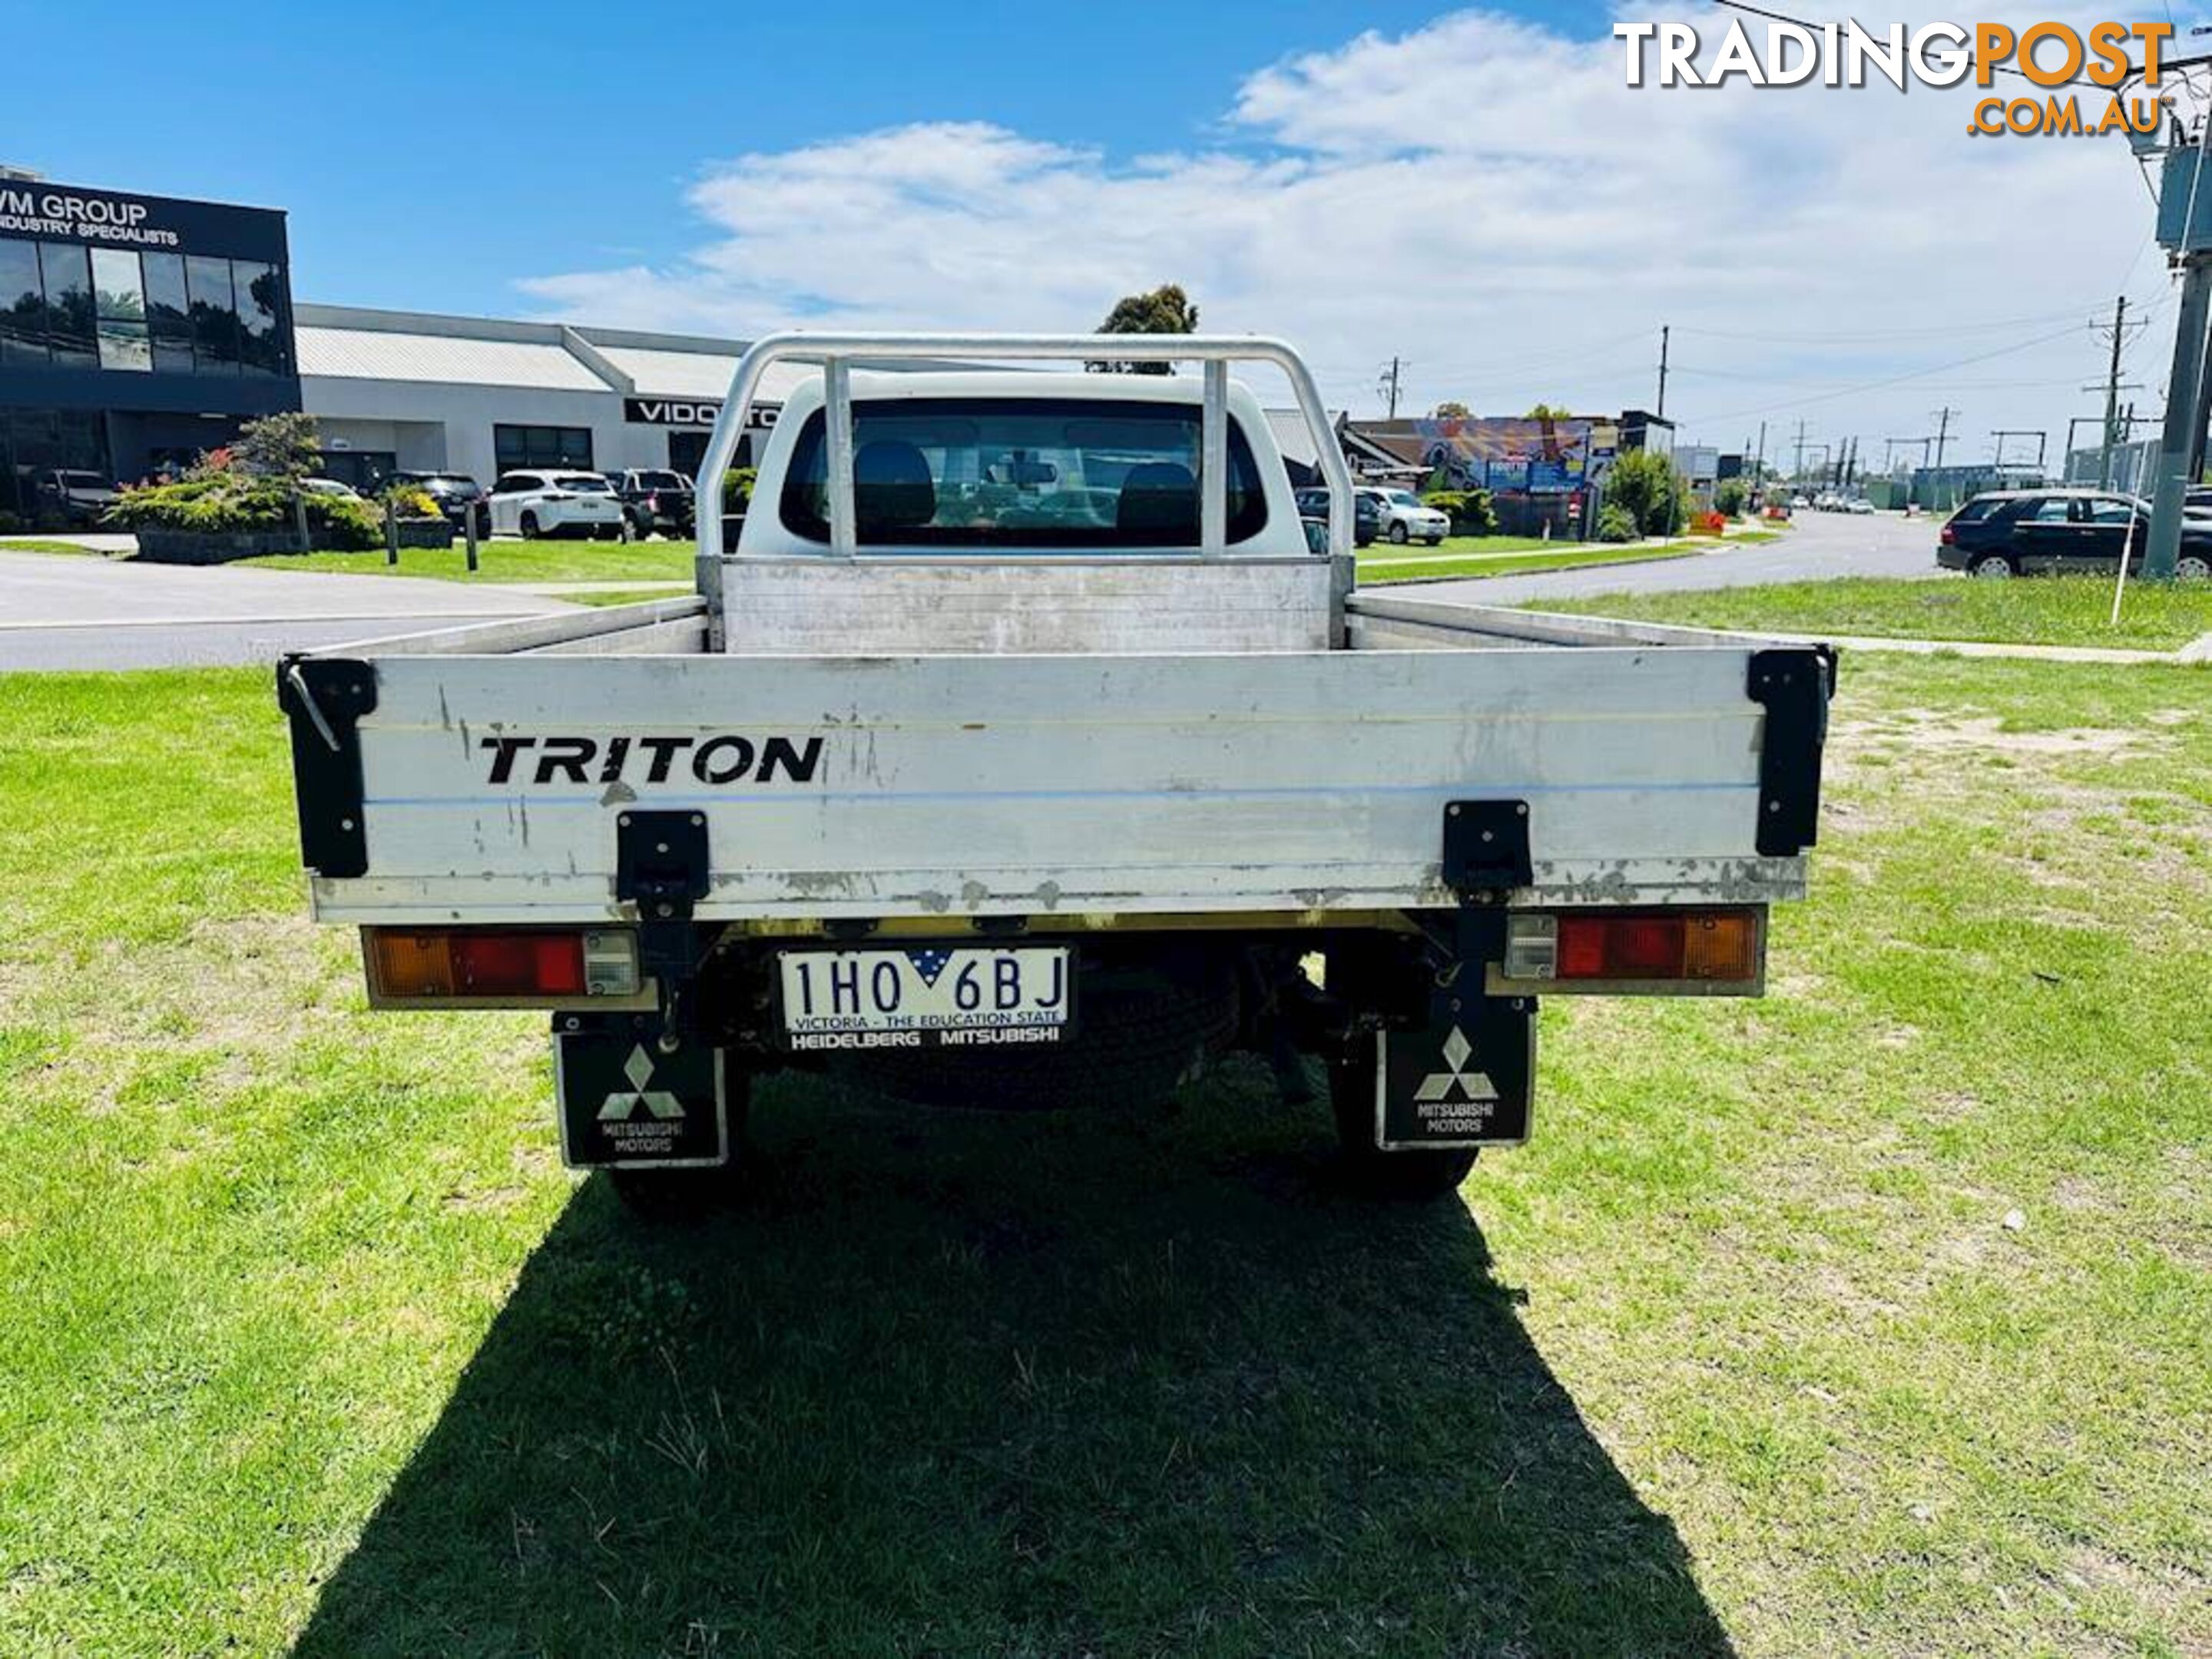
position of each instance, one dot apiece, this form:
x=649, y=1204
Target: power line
x=1860, y=337
x=1893, y=379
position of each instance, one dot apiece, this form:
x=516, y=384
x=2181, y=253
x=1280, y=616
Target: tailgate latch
x=325, y=698
x=1793, y=685
x=661, y=866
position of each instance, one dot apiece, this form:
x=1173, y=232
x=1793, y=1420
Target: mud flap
x=1468, y=1079
x=626, y=1105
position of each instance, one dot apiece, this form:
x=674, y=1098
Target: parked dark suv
x=1367, y=516
x=2018, y=533
x=456, y=494
x=657, y=499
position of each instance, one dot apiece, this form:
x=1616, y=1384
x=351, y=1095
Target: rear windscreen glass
x=1042, y=474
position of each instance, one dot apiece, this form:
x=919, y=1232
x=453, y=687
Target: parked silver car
x=1405, y=519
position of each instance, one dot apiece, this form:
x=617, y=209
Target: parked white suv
x=555, y=503
x=1405, y=520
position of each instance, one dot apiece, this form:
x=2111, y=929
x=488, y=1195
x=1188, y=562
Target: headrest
x=892, y=489
x=1160, y=499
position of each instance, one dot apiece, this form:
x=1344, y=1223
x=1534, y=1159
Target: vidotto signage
x=690, y=412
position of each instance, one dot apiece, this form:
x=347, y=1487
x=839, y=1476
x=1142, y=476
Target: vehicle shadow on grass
x=949, y=1384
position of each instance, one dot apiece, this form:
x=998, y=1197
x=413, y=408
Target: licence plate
x=963, y=996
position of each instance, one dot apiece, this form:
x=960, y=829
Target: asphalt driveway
x=59, y=612
x=1823, y=545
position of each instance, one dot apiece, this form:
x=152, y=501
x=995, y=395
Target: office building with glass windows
x=134, y=331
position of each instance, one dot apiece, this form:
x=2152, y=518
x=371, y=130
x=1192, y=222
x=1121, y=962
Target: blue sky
x=431, y=154
x=1476, y=191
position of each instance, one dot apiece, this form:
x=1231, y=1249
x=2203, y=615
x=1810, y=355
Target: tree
x=1730, y=495
x=280, y=446
x=1452, y=410
x=1166, y=310
x=1643, y=484
x=1549, y=412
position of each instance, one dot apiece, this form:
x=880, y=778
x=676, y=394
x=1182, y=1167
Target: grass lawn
x=622, y=596
x=43, y=544
x=2031, y=611
x=1569, y=555
x=510, y=562
x=1873, y=1318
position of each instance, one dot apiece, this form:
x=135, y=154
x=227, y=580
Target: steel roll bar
x=837, y=354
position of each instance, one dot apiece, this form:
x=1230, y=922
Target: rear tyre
x=1417, y=1177
x=1397, y=534
x=1990, y=567
x=2193, y=567
x=530, y=527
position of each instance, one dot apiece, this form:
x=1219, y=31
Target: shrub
x=1644, y=484
x=738, y=489
x=1615, y=523
x=1730, y=496
x=283, y=446
x=412, y=500
x=1472, y=514
x=215, y=501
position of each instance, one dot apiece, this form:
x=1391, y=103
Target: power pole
x=1664, y=330
x=2111, y=396
x=1999, y=434
x=2184, y=414
x=1942, y=432
x=1759, y=467
x=1388, y=385
x=1798, y=467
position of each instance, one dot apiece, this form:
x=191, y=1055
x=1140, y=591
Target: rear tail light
x=1633, y=950
x=463, y=965
x=1949, y=536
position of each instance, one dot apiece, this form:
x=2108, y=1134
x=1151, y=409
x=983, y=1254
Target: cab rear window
x=1038, y=474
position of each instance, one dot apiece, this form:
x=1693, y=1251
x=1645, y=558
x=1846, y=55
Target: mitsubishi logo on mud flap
x=1472, y=1085
x=638, y=1068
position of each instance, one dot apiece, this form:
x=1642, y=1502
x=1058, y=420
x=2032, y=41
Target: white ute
x=1028, y=748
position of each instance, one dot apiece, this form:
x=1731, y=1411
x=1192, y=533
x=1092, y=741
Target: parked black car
x=657, y=499
x=456, y=494
x=1367, y=516
x=2018, y=533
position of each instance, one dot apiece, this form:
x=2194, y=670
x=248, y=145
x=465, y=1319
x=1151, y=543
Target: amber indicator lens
x=1712, y=944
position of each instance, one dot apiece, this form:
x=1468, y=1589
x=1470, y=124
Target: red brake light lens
x=408, y=965
x=1689, y=945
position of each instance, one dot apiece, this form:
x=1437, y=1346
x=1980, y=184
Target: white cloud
x=1487, y=197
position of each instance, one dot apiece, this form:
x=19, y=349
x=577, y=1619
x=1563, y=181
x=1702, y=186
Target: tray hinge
x=1485, y=857
x=324, y=698
x=1793, y=685
x=661, y=866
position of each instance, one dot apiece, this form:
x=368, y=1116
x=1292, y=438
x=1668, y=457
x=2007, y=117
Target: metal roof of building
x=1291, y=437
x=363, y=354
x=664, y=373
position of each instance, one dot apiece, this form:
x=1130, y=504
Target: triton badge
x=717, y=760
